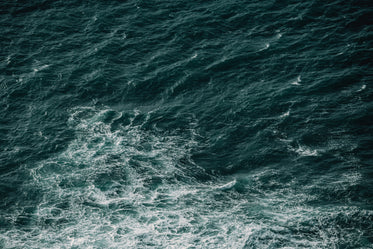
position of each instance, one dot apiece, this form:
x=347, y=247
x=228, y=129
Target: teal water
x=186, y=124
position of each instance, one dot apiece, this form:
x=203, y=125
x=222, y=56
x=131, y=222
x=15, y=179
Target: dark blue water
x=186, y=124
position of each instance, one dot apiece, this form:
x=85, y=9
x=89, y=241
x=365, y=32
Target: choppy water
x=186, y=124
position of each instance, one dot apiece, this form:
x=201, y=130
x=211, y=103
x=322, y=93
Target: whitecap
x=286, y=114
x=304, y=151
x=227, y=186
x=278, y=36
x=8, y=59
x=266, y=46
x=297, y=81
x=41, y=68
x=362, y=88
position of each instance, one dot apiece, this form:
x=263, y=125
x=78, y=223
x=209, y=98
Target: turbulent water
x=186, y=124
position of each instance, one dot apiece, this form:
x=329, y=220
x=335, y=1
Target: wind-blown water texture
x=186, y=124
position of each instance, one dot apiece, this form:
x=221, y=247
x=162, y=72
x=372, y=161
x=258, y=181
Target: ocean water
x=186, y=124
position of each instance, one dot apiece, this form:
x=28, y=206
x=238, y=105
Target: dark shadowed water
x=186, y=124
